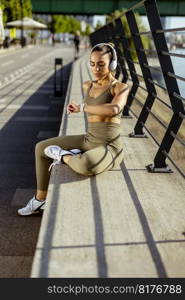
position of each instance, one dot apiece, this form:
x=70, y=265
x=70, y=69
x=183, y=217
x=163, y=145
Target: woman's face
x=99, y=64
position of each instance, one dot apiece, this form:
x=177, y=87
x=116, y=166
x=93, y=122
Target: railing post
x=105, y=35
x=92, y=38
x=121, y=61
x=128, y=58
x=138, y=130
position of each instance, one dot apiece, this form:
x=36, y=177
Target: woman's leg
x=94, y=161
x=42, y=162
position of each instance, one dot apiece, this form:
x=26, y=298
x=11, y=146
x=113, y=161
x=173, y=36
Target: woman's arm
x=73, y=107
x=111, y=109
x=108, y=109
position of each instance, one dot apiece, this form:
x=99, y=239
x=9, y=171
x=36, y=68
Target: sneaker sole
x=48, y=154
x=32, y=213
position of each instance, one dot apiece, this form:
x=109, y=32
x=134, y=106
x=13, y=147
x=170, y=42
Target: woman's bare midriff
x=103, y=119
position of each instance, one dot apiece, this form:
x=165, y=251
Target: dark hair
x=103, y=48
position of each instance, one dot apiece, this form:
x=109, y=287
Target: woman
x=76, y=42
x=100, y=149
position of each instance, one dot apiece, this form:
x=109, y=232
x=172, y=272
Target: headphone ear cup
x=113, y=65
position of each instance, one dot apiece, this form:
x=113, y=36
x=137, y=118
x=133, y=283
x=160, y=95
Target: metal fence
x=114, y=32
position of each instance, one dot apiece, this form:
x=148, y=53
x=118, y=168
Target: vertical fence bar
x=121, y=60
x=106, y=34
x=128, y=58
x=92, y=38
x=138, y=130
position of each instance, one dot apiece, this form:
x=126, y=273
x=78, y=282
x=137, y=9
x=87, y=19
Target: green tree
x=62, y=24
x=2, y=5
x=12, y=9
x=74, y=25
x=27, y=8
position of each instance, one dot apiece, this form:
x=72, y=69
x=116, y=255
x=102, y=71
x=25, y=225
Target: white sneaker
x=33, y=207
x=56, y=152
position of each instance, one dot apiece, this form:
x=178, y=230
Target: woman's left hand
x=73, y=108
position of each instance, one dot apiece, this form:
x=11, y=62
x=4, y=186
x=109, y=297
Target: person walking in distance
x=53, y=39
x=98, y=150
x=76, y=43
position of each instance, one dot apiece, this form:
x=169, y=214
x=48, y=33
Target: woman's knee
x=39, y=148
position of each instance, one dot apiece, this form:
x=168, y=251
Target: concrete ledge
x=121, y=223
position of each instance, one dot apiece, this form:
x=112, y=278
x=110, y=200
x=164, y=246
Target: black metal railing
x=114, y=32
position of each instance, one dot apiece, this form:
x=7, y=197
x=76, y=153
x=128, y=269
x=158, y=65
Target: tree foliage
x=12, y=9
x=65, y=23
x=62, y=24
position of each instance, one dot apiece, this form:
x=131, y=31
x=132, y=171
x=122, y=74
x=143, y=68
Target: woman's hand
x=73, y=108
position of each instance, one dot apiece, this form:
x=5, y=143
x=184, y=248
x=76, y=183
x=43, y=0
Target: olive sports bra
x=104, y=97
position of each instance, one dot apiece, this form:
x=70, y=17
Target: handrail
x=173, y=54
x=178, y=97
x=144, y=33
x=175, y=76
x=157, y=84
x=161, y=31
x=171, y=30
x=149, y=110
x=157, y=97
x=114, y=32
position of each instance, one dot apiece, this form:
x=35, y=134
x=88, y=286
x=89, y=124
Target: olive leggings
x=94, y=159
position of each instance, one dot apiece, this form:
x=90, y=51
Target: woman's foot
x=56, y=153
x=33, y=206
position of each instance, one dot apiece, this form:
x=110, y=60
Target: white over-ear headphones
x=113, y=63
